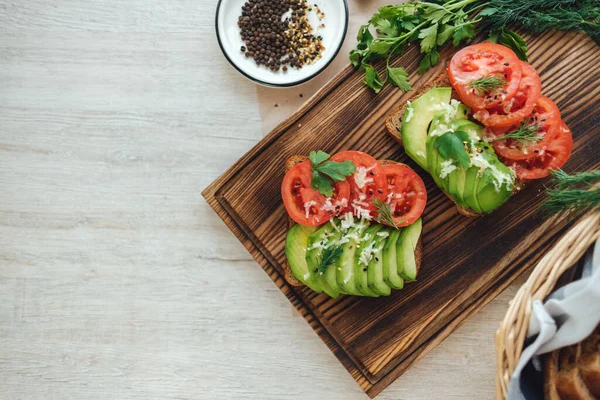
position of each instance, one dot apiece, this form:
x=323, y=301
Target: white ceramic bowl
x=228, y=35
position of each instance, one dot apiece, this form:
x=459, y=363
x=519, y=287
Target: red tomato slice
x=519, y=107
x=407, y=193
x=307, y=206
x=546, y=116
x=482, y=60
x=366, y=183
x=552, y=158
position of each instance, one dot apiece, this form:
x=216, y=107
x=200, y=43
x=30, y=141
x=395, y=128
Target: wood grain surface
x=117, y=280
x=465, y=260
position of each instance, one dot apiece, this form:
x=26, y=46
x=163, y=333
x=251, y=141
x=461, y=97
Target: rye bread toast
x=289, y=277
x=589, y=363
x=393, y=125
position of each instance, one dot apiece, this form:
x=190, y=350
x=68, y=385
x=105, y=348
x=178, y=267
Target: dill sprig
x=573, y=192
x=384, y=213
x=525, y=133
x=329, y=257
x=490, y=83
x=540, y=15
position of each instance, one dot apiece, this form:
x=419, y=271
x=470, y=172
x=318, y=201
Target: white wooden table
x=117, y=281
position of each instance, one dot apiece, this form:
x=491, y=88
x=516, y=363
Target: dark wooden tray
x=467, y=262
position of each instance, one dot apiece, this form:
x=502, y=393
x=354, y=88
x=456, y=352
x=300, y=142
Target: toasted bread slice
x=289, y=277
x=550, y=373
x=569, y=383
x=589, y=363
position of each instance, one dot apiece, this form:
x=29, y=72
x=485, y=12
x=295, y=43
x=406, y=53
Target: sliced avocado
x=457, y=178
x=491, y=194
x=470, y=189
x=463, y=111
x=296, y=243
x=390, y=263
x=470, y=127
x=417, y=117
x=314, y=253
x=345, y=267
x=330, y=275
x=433, y=158
x=456, y=185
x=405, y=250
x=367, y=245
x=375, y=270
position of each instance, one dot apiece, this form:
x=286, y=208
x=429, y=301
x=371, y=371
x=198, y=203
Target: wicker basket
x=513, y=329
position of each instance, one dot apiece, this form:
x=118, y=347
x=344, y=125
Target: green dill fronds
x=490, y=83
x=385, y=215
x=329, y=257
x=562, y=180
x=526, y=133
x=573, y=192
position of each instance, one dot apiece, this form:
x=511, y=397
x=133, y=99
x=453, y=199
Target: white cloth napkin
x=567, y=317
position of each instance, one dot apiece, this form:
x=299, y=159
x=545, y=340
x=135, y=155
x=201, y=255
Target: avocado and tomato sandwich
x=482, y=129
x=354, y=223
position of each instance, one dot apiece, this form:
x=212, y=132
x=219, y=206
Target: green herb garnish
x=432, y=25
x=326, y=172
x=384, y=213
x=573, y=192
x=526, y=133
x=540, y=15
x=329, y=257
x=488, y=84
x=453, y=145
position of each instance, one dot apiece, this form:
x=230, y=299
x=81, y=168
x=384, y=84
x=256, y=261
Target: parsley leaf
x=452, y=145
x=317, y=157
x=326, y=172
x=466, y=31
x=356, y=55
x=380, y=47
x=385, y=26
x=338, y=171
x=428, y=61
x=322, y=183
x=428, y=38
x=372, y=78
x=488, y=11
x=444, y=34
x=399, y=77
x=364, y=37
x=512, y=40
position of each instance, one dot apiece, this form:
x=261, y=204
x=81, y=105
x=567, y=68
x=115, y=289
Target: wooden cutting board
x=467, y=262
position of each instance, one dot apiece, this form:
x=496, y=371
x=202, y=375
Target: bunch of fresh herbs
x=434, y=24
x=573, y=192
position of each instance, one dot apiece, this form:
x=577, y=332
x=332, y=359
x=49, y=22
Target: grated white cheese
x=307, y=207
x=447, y=167
x=334, y=224
x=334, y=207
x=499, y=178
x=347, y=221
x=409, y=111
x=366, y=255
x=361, y=178
x=360, y=211
x=383, y=234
